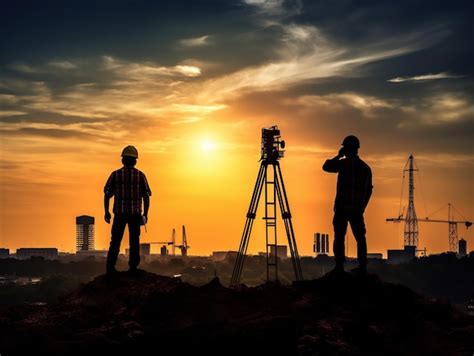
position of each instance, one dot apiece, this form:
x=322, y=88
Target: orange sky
x=207, y=187
x=192, y=90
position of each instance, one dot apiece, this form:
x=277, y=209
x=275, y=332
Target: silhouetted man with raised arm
x=354, y=188
x=129, y=187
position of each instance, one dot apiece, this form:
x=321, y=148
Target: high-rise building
x=321, y=244
x=84, y=233
x=462, y=248
x=4, y=253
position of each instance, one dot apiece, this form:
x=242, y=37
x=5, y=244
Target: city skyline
x=192, y=90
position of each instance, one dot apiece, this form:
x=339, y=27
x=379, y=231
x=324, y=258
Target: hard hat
x=130, y=151
x=351, y=141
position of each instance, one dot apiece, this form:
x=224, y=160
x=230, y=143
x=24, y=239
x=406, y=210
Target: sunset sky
x=191, y=84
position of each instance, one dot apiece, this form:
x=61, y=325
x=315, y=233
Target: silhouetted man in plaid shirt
x=128, y=186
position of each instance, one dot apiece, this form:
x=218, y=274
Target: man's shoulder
x=139, y=172
x=364, y=164
x=118, y=170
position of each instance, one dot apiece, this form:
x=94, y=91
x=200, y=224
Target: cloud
x=52, y=133
x=21, y=67
x=63, y=65
x=8, y=99
x=4, y=113
x=275, y=8
x=430, y=76
x=195, y=41
x=439, y=109
x=307, y=54
x=368, y=105
x=140, y=71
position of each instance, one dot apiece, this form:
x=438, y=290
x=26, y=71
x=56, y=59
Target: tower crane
x=452, y=228
x=411, y=220
x=184, y=245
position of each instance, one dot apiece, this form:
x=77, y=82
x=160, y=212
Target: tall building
x=84, y=233
x=321, y=244
x=462, y=248
x=4, y=253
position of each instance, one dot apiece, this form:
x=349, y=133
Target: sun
x=208, y=146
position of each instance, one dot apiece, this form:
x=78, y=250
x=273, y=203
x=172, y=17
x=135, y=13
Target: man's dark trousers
x=118, y=228
x=356, y=218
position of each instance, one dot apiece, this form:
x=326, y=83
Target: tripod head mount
x=272, y=145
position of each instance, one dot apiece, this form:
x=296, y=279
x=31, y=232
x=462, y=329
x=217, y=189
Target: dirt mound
x=145, y=312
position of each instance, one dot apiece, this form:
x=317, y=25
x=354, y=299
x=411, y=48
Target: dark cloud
x=54, y=54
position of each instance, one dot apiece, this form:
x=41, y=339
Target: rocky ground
x=148, y=313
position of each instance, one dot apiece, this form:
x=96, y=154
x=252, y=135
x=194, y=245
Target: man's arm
x=146, y=206
x=146, y=192
x=332, y=165
x=109, y=190
x=369, y=188
x=107, y=215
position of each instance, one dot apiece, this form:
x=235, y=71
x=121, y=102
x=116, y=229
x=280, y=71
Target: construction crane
x=184, y=245
x=411, y=220
x=173, y=241
x=452, y=227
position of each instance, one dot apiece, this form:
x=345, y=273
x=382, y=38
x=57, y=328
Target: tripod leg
x=239, y=262
x=286, y=215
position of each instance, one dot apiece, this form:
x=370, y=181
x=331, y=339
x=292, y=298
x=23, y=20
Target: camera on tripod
x=272, y=146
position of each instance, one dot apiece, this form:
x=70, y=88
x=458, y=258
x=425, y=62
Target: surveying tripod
x=271, y=182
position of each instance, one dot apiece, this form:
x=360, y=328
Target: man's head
x=129, y=156
x=351, y=145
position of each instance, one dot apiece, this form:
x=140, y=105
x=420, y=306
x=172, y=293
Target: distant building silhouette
x=375, y=256
x=401, y=256
x=462, y=248
x=85, y=233
x=4, y=253
x=91, y=253
x=145, y=250
x=321, y=244
x=223, y=255
x=281, y=251
x=46, y=253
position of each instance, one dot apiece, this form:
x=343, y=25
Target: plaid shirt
x=354, y=182
x=128, y=186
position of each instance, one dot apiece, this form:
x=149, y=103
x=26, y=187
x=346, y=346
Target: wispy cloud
x=196, y=41
x=138, y=70
x=368, y=105
x=6, y=113
x=443, y=108
x=275, y=8
x=21, y=67
x=425, y=77
x=306, y=54
x=63, y=65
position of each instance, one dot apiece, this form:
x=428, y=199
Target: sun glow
x=208, y=146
